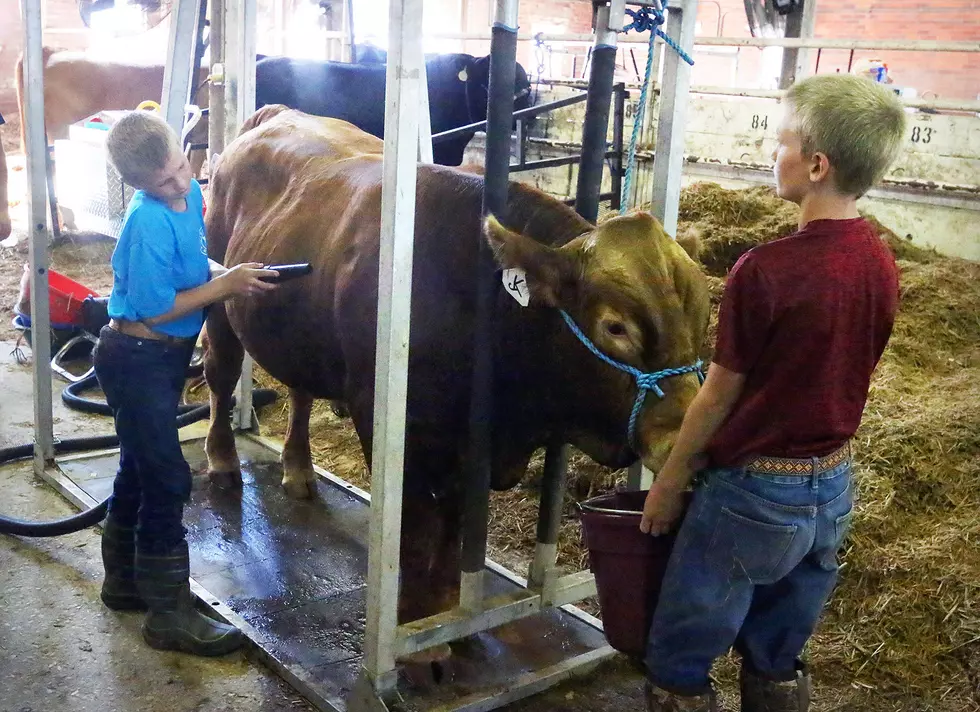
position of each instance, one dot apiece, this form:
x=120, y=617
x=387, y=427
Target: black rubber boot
x=173, y=623
x=760, y=694
x=118, y=559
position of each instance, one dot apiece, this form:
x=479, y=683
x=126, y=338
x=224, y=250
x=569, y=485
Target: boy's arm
x=709, y=409
x=744, y=318
x=192, y=299
x=243, y=279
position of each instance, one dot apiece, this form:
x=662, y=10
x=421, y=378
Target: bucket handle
x=585, y=507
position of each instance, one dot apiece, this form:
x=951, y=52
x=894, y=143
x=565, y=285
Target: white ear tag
x=515, y=282
x=463, y=75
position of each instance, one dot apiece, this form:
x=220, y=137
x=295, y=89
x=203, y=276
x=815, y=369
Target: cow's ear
x=552, y=275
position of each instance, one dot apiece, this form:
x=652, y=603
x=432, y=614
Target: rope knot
x=645, y=19
x=650, y=382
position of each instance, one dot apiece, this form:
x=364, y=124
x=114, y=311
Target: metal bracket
x=363, y=696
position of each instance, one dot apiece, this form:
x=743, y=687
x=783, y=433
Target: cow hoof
x=429, y=668
x=225, y=479
x=304, y=489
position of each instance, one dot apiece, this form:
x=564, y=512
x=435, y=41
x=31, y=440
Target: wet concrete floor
x=61, y=649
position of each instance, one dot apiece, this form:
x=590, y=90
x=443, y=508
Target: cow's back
x=349, y=92
x=76, y=86
x=298, y=188
x=294, y=188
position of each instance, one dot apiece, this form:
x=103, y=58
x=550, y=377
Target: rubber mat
x=295, y=572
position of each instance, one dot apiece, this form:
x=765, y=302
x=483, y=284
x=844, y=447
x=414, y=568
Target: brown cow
x=297, y=188
x=76, y=86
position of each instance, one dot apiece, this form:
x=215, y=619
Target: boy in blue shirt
x=162, y=281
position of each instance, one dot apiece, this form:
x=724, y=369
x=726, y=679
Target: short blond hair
x=857, y=123
x=139, y=144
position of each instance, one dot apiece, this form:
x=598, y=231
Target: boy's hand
x=664, y=505
x=246, y=279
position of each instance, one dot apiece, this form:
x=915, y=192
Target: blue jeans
x=143, y=380
x=754, y=562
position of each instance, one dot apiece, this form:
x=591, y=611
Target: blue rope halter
x=645, y=382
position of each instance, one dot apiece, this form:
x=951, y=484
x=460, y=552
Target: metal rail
x=527, y=113
x=964, y=105
x=789, y=42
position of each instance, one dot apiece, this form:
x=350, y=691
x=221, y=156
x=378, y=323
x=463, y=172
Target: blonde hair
x=857, y=123
x=139, y=144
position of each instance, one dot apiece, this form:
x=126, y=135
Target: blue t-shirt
x=160, y=252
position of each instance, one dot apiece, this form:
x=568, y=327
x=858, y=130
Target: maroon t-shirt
x=806, y=319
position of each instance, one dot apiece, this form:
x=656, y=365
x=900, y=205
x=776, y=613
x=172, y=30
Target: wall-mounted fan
x=123, y=17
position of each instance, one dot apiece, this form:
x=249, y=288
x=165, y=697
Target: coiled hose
x=72, y=398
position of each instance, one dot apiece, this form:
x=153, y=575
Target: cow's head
x=477, y=76
x=642, y=301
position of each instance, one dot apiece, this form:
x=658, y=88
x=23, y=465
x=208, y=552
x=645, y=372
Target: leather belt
x=142, y=331
x=799, y=466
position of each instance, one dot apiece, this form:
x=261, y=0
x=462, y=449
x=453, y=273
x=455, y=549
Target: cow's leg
x=222, y=369
x=430, y=510
x=430, y=551
x=298, y=476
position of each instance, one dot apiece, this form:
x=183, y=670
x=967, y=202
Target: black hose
x=72, y=397
x=91, y=517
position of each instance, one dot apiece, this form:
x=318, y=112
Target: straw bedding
x=903, y=629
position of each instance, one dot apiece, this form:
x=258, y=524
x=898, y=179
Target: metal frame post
x=796, y=61
x=619, y=113
x=669, y=157
x=425, y=118
x=238, y=35
x=347, y=27
x=216, y=87
x=549, y=516
x=609, y=20
x=402, y=94
x=674, y=100
x=37, y=154
x=178, y=72
x=500, y=109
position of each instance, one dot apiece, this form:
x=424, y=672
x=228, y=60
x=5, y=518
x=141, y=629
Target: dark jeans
x=142, y=380
x=754, y=563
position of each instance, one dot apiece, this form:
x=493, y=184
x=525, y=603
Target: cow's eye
x=616, y=328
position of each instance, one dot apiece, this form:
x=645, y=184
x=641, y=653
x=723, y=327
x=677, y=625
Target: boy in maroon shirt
x=802, y=324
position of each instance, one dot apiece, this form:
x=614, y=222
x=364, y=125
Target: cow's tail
x=261, y=116
x=46, y=53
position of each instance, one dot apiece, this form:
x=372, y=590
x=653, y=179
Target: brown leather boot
x=761, y=694
x=660, y=700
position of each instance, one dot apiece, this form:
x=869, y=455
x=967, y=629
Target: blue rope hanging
x=645, y=19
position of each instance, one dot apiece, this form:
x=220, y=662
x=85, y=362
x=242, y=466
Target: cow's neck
x=543, y=218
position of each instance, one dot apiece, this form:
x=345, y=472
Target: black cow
x=356, y=93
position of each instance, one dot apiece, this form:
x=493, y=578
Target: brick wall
x=943, y=74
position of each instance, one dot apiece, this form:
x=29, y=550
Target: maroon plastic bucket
x=628, y=566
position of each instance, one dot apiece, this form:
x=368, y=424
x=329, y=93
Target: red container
x=628, y=565
x=65, y=299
